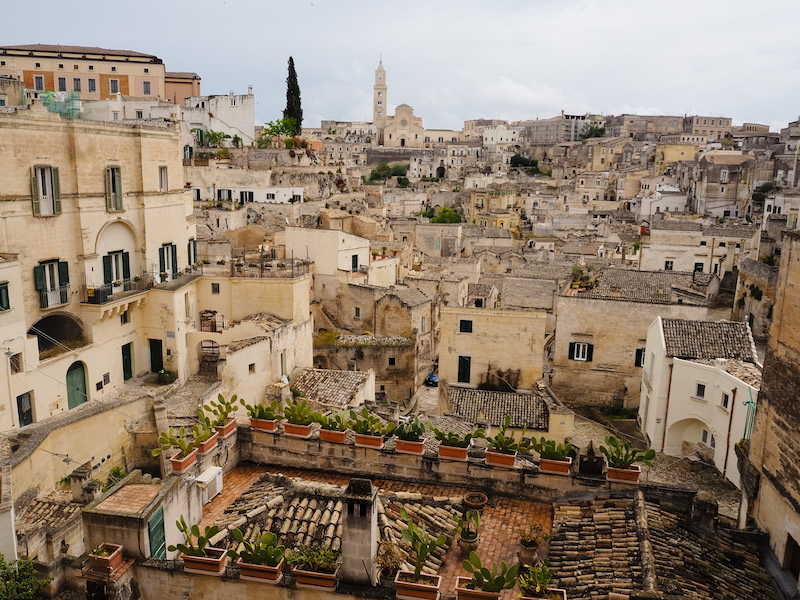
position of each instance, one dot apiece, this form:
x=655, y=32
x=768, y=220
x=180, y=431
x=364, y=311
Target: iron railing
x=54, y=297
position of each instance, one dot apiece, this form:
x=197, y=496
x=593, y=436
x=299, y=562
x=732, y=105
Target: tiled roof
x=181, y=75
x=482, y=405
x=328, y=387
x=409, y=296
x=638, y=286
x=76, y=49
x=584, y=248
x=48, y=512
x=676, y=225
x=480, y=290
x=685, y=338
x=743, y=370
x=737, y=232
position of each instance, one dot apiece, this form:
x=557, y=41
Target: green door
x=76, y=385
x=156, y=356
x=155, y=530
x=127, y=363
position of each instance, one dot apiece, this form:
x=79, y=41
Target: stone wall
x=764, y=280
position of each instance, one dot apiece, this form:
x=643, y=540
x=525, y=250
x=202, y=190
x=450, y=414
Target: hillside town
x=549, y=358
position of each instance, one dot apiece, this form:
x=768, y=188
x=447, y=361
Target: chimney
x=249, y=90
x=360, y=533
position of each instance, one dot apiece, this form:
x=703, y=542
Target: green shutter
x=107, y=275
x=63, y=274
x=35, y=193
x=109, y=206
x=117, y=172
x=38, y=278
x=126, y=265
x=56, y=183
x=155, y=531
x=571, y=351
x=162, y=264
x=194, y=251
x=174, y=260
x=4, y=304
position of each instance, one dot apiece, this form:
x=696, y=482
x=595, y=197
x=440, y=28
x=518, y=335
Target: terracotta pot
x=551, y=591
x=408, y=447
x=463, y=593
x=498, y=459
x=298, y=431
x=555, y=467
x=408, y=589
x=267, y=425
x=264, y=573
x=181, y=464
x=207, y=446
x=453, y=453
x=475, y=501
x=313, y=579
x=527, y=555
x=213, y=564
x=624, y=475
x=106, y=565
x=337, y=437
x=227, y=429
x=369, y=441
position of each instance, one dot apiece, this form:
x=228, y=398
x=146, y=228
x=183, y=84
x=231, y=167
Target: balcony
x=111, y=292
x=55, y=297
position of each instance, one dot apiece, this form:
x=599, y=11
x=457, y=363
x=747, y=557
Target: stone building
x=714, y=129
x=754, y=299
x=720, y=183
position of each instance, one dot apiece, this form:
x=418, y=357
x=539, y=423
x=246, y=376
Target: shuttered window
x=113, y=189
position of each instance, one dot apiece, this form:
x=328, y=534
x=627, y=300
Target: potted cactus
x=186, y=454
x=530, y=539
x=414, y=585
x=409, y=437
x=553, y=459
x=453, y=446
x=486, y=582
x=264, y=417
x=260, y=559
x=501, y=450
x=315, y=567
x=205, y=438
x=298, y=419
x=370, y=430
x=468, y=527
x=198, y=557
x=621, y=457
x=333, y=428
x=534, y=584
x=105, y=559
x=221, y=409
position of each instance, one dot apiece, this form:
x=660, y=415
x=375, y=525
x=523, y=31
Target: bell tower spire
x=379, y=101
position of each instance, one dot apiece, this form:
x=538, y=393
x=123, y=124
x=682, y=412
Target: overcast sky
x=460, y=59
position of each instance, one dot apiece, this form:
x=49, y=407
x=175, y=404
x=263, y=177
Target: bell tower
x=379, y=102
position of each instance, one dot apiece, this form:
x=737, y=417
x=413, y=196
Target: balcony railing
x=101, y=294
x=52, y=298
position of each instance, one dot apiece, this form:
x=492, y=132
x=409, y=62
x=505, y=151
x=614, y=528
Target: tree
x=215, y=137
x=382, y=171
x=521, y=161
x=293, y=109
x=19, y=580
x=279, y=128
x=447, y=215
x=591, y=131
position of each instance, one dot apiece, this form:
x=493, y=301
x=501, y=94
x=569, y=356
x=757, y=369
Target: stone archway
x=440, y=172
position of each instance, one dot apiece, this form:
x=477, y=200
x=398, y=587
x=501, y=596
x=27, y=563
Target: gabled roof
x=480, y=406
x=684, y=338
x=329, y=387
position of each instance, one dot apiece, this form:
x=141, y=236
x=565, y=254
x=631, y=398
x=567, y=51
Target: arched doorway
x=76, y=385
x=440, y=172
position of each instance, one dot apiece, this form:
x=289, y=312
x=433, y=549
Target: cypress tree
x=293, y=109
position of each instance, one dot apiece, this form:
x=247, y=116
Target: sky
x=461, y=59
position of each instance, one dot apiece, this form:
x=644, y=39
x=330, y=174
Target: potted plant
x=416, y=586
x=259, y=560
x=198, y=557
x=298, y=419
x=486, y=582
x=468, y=527
x=221, y=409
x=264, y=417
x=105, y=558
x=165, y=376
x=534, y=584
x=315, y=568
x=530, y=539
x=475, y=501
x=621, y=457
x=553, y=459
x=452, y=445
x=389, y=559
x=334, y=427
x=186, y=454
x=370, y=430
x=205, y=438
x=409, y=437
x=501, y=450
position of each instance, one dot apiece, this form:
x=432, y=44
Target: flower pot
x=213, y=564
x=369, y=441
x=106, y=565
x=227, y=429
x=207, y=446
x=424, y=588
x=329, y=435
x=467, y=546
x=263, y=573
x=463, y=593
x=618, y=475
x=181, y=464
x=298, y=431
x=555, y=467
x=475, y=501
x=315, y=580
x=408, y=447
x=268, y=425
x=527, y=555
x=551, y=593
x=453, y=453
x=498, y=459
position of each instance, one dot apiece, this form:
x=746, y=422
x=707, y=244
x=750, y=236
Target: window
x=392, y=361
x=62, y=84
x=116, y=268
x=38, y=82
x=191, y=251
x=4, y=302
x=726, y=400
x=113, y=189
x=139, y=114
x=51, y=280
x=639, y=360
x=791, y=557
x=25, y=409
x=91, y=86
x=45, y=191
x=700, y=391
x=270, y=196
x=251, y=368
x=702, y=243
x=145, y=88
x=357, y=313
x=113, y=85
x=438, y=244
x=91, y=67
x=168, y=259
x=146, y=70
x=224, y=195
x=722, y=244
x=465, y=326
x=215, y=288
x=698, y=267
x=354, y=263
x=15, y=361
x=581, y=351
x=464, y=364
x=422, y=325
x=76, y=84
x=707, y=438
x=723, y=176
x=668, y=265
x=163, y=183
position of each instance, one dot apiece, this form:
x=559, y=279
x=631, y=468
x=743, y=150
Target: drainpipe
x=730, y=424
x=711, y=257
x=666, y=408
